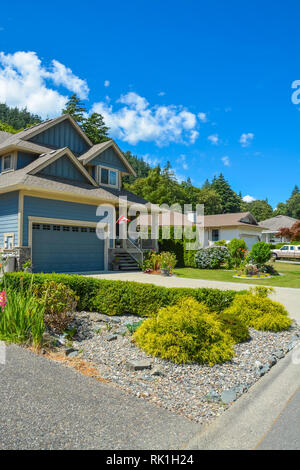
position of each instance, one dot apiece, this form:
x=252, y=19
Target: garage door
x=64, y=248
x=250, y=241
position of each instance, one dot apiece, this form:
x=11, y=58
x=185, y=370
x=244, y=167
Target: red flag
x=123, y=220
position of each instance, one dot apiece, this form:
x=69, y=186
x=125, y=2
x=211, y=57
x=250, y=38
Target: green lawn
x=291, y=276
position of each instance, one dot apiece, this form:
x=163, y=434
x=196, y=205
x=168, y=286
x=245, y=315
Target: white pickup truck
x=287, y=251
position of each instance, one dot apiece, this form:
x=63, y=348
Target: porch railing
x=135, y=251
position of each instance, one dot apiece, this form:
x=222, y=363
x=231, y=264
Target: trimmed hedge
x=121, y=297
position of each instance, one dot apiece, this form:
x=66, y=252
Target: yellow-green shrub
x=260, y=312
x=185, y=332
x=234, y=326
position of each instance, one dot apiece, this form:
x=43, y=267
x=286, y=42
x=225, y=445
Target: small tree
x=292, y=233
x=260, y=253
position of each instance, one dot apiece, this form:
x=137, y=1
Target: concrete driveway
x=46, y=405
x=288, y=297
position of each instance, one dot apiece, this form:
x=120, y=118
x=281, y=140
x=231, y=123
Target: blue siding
x=9, y=222
x=109, y=158
x=25, y=159
x=61, y=135
x=40, y=207
x=63, y=167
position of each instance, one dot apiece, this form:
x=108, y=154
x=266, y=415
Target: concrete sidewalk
x=267, y=417
x=289, y=297
x=45, y=405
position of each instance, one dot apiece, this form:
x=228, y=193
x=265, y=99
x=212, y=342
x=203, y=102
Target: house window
x=75, y=229
x=7, y=163
x=107, y=176
x=8, y=241
x=56, y=228
x=215, y=235
x=84, y=229
x=46, y=227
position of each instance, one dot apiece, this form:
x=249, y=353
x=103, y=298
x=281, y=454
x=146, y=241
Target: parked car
x=287, y=251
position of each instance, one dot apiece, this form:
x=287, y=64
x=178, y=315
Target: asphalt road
x=46, y=405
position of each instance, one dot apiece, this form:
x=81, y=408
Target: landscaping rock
x=97, y=317
x=111, y=337
x=279, y=354
x=121, y=331
x=292, y=345
x=138, y=365
x=228, y=396
x=258, y=365
x=271, y=361
x=158, y=371
x=213, y=396
x=72, y=352
x=114, y=320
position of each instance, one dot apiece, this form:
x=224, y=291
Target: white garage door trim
x=45, y=220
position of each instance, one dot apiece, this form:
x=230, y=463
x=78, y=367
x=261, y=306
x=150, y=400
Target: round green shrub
x=237, y=249
x=234, y=326
x=186, y=332
x=260, y=313
x=260, y=253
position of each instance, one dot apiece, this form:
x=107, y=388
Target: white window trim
x=13, y=157
x=98, y=176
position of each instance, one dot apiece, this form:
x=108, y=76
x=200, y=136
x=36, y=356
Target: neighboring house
x=272, y=226
x=52, y=178
x=216, y=227
x=228, y=226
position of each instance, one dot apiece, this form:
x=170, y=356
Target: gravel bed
x=198, y=392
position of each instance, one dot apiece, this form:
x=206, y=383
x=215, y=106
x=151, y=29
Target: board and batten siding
x=64, y=168
x=62, y=135
x=25, y=159
x=9, y=217
x=110, y=159
x=55, y=209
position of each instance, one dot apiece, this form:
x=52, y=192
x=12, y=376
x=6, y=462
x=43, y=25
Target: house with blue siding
x=59, y=198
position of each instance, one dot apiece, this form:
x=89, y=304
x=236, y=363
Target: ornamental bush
x=185, y=332
x=234, y=326
x=260, y=253
x=122, y=297
x=211, y=258
x=60, y=303
x=259, y=312
x=237, y=249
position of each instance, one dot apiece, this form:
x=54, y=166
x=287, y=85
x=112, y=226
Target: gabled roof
x=31, y=132
x=21, y=139
x=4, y=136
x=230, y=220
x=99, y=148
x=44, y=160
x=278, y=222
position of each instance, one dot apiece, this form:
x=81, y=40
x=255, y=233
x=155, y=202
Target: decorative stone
x=279, y=354
x=72, y=352
x=96, y=317
x=122, y=331
x=213, y=396
x=138, y=365
x=111, y=337
x=271, y=361
x=258, y=365
x=228, y=396
x=114, y=320
x=292, y=345
x=157, y=371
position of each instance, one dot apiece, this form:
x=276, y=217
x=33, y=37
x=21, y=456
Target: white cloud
x=214, y=139
x=248, y=198
x=246, y=139
x=161, y=93
x=24, y=83
x=106, y=83
x=152, y=161
x=226, y=161
x=136, y=120
x=202, y=117
x=182, y=161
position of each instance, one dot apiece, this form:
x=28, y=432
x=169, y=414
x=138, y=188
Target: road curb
x=245, y=424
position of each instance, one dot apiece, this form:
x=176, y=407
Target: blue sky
x=206, y=85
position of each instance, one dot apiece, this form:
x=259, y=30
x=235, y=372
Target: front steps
x=127, y=262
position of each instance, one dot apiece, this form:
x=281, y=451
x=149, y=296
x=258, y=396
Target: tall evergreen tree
x=231, y=202
x=95, y=128
x=75, y=108
x=17, y=118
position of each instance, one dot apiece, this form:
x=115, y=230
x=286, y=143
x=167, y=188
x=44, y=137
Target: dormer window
x=7, y=163
x=107, y=176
